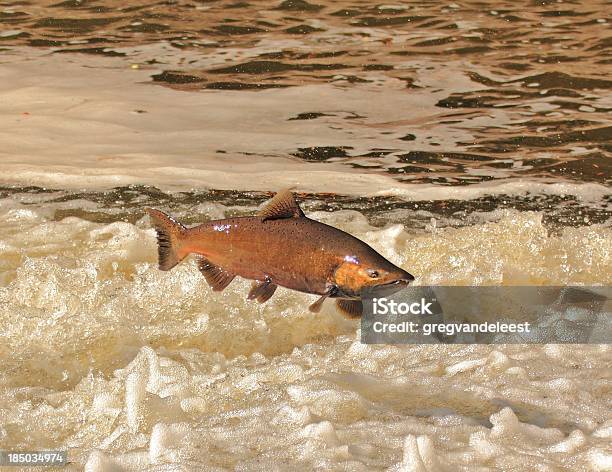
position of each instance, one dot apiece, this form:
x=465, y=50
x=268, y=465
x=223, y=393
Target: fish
x=280, y=246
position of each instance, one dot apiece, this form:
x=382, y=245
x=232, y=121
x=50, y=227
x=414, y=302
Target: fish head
x=356, y=275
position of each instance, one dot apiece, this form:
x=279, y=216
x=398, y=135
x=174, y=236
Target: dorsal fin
x=283, y=205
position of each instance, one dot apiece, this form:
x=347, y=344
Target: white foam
x=135, y=395
x=166, y=441
x=600, y=459
x=324, y=431
x=100, y=462
x=132, y=368
x=419, y=455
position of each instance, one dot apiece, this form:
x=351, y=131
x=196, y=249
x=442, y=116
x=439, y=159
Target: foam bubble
x=133, y=368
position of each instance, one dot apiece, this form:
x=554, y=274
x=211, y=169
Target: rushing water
x=468, y=142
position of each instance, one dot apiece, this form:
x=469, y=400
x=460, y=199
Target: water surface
x=469, y=142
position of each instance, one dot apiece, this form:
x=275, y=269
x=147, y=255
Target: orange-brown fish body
x=279, y=247
x=292, y=252
x=296, y=253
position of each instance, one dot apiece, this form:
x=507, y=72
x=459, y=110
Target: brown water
x=501, y=90
x=468, y=142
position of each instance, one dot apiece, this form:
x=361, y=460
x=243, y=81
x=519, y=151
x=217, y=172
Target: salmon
x=279, y=246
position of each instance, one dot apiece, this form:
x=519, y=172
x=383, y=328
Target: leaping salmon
x=279, y=246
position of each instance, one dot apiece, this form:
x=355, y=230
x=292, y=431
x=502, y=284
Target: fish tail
x=170, y=234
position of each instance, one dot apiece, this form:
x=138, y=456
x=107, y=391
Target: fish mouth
x=398, y=282
x=404, y=280
x=393, y=285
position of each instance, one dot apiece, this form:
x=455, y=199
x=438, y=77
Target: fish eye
x=373, y=273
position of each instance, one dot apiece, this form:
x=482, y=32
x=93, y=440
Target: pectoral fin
x=216, y=277
x=261, y=291
x=350, y=308
x=316, y=306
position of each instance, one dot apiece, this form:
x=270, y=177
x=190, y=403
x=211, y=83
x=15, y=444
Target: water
x=468, y=142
